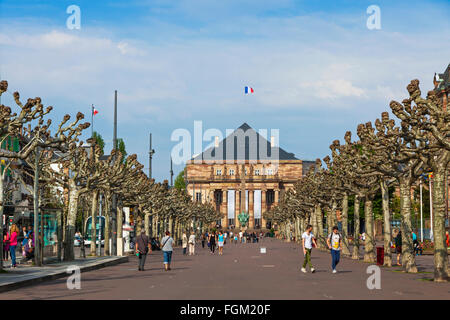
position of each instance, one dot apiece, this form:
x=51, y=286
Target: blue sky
x=316, y=69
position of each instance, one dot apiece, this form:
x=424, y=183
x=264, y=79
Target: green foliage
x=180, y=184
x=100, y=142
x=121, y=147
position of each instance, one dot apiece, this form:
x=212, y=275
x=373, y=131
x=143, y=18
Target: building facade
x=441, y=83
x=242, y=173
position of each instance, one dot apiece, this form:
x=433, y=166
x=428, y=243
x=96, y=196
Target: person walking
x=220, y=242
x=308, y=241
x=235, y=239
x=192, y=244
x=143, y=247
x=167, y=249
x=203, y=240
x=225, y=236
x=185, y=243
x=334, y=240
x=13, y=244
x=6, y=239
x=398, y=246
x=212, y=242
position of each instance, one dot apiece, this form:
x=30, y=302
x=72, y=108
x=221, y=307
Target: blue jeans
x=167, y=257
x=12, y=250
x=335, y=256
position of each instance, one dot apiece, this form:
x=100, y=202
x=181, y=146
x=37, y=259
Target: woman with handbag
x=167, y=248
x=13, y=244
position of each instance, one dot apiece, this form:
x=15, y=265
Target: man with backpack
x=334, y=244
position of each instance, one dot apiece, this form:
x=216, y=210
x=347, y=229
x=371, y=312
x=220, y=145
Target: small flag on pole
x=94, y=111
x=248, y=90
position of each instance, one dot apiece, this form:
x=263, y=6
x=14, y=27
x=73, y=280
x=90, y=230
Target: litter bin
x=380, y=256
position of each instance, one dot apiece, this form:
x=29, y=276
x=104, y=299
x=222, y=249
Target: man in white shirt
x=240, y=236
x=334, y=240
x=308, y=241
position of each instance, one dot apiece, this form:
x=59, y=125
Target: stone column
x=277, y=196
x=263, y=208
x=224, y=208
x=251, y=213
x=237, y=207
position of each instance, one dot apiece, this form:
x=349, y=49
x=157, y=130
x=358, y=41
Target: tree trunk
x=70, y=223
x=321, y=244
x=120, y=245
x=147, y=223
x=333, y=216
x=155, y=226
x=387, y=235
x=408, y=256
x=171, y=225
x=94, y=204
x=357, y=228
x=107, y=214
x=345, y=247
x=369, y=243
x=440, y=248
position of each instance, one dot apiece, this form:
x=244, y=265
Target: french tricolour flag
x=248, y=90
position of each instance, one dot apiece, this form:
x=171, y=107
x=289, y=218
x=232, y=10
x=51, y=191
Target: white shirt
x=192, y=239
x=308, y=239
x=335, y=241
x=240, y=234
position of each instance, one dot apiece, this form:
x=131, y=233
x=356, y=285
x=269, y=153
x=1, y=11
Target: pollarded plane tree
x=119, y=177
x=337, y=169
x=32, y=113
x=390, y=154
x=358, y=180
x=326, y=195
x=341, y=168
x=334, y=187
x=425, y=120
x=78, y=173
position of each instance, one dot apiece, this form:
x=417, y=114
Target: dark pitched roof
x=444, y=80
x=245, y=143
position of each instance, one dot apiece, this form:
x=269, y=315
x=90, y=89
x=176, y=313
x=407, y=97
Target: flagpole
x=92, y=122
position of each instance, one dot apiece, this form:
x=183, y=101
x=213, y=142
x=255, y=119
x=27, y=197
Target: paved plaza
x=241, y=273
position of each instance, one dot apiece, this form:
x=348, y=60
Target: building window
x=218, y=197
x=270, y=172
x=257, y=223
x=231, y=172
x=231, y=222
x=270, y=196
x=198, y=196
x=245, y=171
x=218, y=172
x=256, y=172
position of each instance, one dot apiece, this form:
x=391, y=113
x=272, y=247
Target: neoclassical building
x=243, y=172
